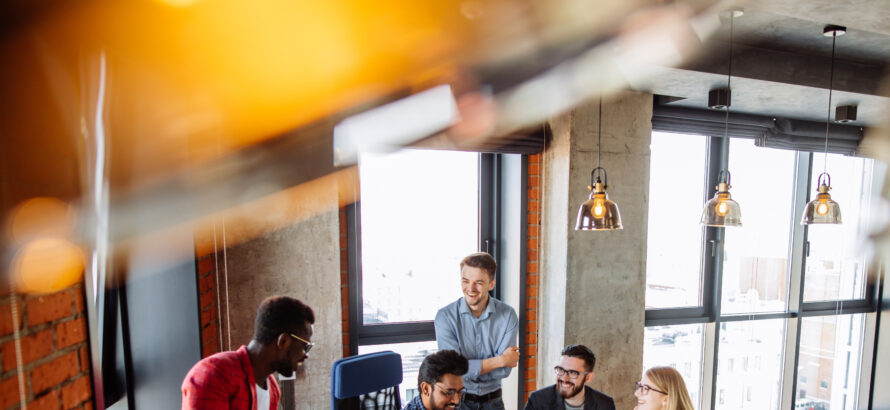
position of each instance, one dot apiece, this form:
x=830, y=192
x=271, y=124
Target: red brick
x=531, y=291
x=205, y=265
x=84, y=358
x=530, y=386
x=534, y=181
x=89, y=405
x=531, y=267
x=344, y=242
x=534, y=159
x=71, y=332
x=534, y=218
x=531, y=254
x=76, y=392
x=345, y=338
x=78, y=300
x=47, y=308
x=531, y=374
x=532, y=243
x=207, y=315
x=6, y=325
x=9, y=391
x=207, y=299
x=531, y=315
x=532, y=304
x=532, y=362
x=531, y=279
x=206, y=283
x=533, y=206
x=209, y=332
x=531, y=338
x=534, y=169
x=531, y=326
x=46, y=402
x=34, y=347
x=54, y=372
x=211, y=347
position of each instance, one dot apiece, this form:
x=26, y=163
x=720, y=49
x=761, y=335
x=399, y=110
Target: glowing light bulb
x=598, y=210
x=822, y=208
x=722, y=208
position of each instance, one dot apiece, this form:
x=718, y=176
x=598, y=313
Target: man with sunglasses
x=440, y=382
x=570, y=392
x=243, y=379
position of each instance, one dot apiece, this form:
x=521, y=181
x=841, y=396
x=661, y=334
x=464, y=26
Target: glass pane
x=828, y=365
x=676, y=194
x=755, y=268
x=412, y=357
x=416, y=227
x=749, y=368
x=680, y=347
x=836, y=265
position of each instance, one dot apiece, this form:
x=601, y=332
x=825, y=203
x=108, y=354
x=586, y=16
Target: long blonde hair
x=669, y=379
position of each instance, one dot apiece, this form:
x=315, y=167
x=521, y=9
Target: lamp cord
x=599, y=133
x=725, y=153
x=828, y=111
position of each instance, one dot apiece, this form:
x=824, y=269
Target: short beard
x=575, y=390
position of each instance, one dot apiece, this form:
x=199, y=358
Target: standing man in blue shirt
x=482, y=329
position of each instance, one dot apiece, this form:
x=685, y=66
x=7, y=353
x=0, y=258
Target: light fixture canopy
x=598, y=213
x=722, y=210
x=822, y=210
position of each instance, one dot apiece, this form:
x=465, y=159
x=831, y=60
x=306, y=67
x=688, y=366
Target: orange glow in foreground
x=47, y=265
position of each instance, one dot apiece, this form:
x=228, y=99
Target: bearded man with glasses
x=243, y=379
x=570, y=392
x=440, y=383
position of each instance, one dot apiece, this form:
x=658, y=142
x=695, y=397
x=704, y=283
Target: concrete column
x=302, y=261
x=593, y=283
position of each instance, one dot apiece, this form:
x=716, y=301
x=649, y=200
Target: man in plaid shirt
x=243, y=379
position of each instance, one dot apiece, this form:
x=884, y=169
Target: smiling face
x=653, y=400
x=435, y=396
x=567, y=387
x=475, y=283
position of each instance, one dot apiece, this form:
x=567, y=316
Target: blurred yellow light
x=822, y=208
x=722, y=208
x=40, y=217
x=47, y=265
x=598, y=210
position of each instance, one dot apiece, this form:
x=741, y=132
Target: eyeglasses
x=646, y=388
x=573, y=374
x=449, y=393
x=308, y=345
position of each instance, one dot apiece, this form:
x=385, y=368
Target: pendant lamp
x=722, y=210
x=824, y=210
x=598, y=213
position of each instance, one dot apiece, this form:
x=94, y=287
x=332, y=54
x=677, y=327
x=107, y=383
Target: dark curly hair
x=443, y=362
x=280, y=314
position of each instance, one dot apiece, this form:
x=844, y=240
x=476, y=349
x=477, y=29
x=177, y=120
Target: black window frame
x=709, y=312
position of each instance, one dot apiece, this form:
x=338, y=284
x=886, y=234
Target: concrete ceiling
x=781, y=61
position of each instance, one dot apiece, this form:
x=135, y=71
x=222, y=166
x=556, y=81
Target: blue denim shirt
x=414, y=404
x=478, y=338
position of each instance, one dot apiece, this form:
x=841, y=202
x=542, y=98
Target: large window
x=420, y=213
x=777, y=311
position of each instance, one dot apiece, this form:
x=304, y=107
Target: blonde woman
x=662, y=388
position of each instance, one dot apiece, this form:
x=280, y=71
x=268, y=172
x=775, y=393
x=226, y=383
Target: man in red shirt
x=243, y=379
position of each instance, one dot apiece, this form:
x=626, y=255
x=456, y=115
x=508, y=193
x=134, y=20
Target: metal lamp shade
x=598, y=214
x=722, y=210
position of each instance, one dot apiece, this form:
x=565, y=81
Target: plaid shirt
x=415, y=404
x=225, y=381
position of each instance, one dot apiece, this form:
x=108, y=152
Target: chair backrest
x=368, y=381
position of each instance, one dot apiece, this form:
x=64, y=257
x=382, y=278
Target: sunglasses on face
x=308, y=345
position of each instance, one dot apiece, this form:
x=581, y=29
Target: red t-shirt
x=225, y=381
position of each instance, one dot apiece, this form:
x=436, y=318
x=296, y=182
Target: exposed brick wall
x=208, y=305
x=531, y=285
x=54, y=351
x=344, y=279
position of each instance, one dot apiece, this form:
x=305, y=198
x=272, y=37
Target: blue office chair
x=368, y=381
